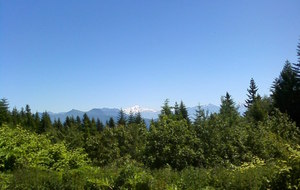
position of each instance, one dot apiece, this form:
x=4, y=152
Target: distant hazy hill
x=105, y=113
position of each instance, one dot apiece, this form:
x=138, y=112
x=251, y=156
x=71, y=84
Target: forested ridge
x=257, y=150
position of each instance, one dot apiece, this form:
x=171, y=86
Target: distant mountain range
x=105, y=113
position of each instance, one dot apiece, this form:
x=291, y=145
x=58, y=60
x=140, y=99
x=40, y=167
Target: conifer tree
x=296, y=102
x=138, y=118
x=228, y=109
x=15, y=116
x=4, y=112
x=131, y=118
x=67, y=122
x=99, y=125
x=86, y=122
x=57, y=124
x=183, y=112
x=37, y=121
x=45, y=123
x=122, y=118
x=93, y=126
x=29, y=118
x=285, y=94
x=111, y=123
x=252, y=94
x=78, y=121
x=166, y=110
x=200, y=116
x=176, y=110
x=296, y=66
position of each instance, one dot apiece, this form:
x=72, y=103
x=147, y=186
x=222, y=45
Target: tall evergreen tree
x=122, y=118
x=4, y=112
x=166, y=109
x=45, y=123
x=131, y=118
x=57, y=124
x=67, y=122
x=285, y=94
x=296, y=102
x=228, y=109
x=37, y=121
x=176, y=110
x=111, y=123
x=296, y=66
x=29, y=118
x=78, y=121
x=252, y=94
x=86, y=124
x=138, y=118
x=93, y=126
x=183, y=112
x=15, y=116
x=99, y=125
x=200, y=116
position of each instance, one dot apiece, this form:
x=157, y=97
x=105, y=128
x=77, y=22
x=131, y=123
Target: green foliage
x=252, y=96
x=259, y=110
x=4, y=112
x=45, y=123
x=172, y=142
x=228, y=111
x=122, y=118
x=166, y=109
x=111, y=123
x=286, y=92
x=133, y=177
x=103, y=148
x=21, y=149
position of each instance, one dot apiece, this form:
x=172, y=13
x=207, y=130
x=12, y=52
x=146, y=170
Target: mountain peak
x=136, y=108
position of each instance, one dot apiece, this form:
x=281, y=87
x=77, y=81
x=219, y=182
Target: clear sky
x=56, y=55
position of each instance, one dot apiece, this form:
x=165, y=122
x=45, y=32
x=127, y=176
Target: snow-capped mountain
x=105, y=113
x=146, y=113
x=135, y=109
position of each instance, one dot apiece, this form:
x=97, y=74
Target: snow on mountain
x=105, y=113
x=135, y=109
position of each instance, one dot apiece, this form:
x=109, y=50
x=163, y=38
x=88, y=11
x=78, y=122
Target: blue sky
x=57, y=55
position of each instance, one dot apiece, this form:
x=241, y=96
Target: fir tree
x=228, y=109
x=37, y=121
x=15, y=116
x=138, y=118
x=99, y=125
x=78, y=121
x=86, y=122
x=176, y=110
x=131, y=118
x=45, y=123
x=166, y=110
x=67, y=122
x=57, y=124
x=111, y=123
x=252, y=96
x=93, y=126
x=122, y=118
x=183, y=112
x=296, y=66
x=4, y=112
x=29, y=118
x=200, y=116
x=285, y=92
